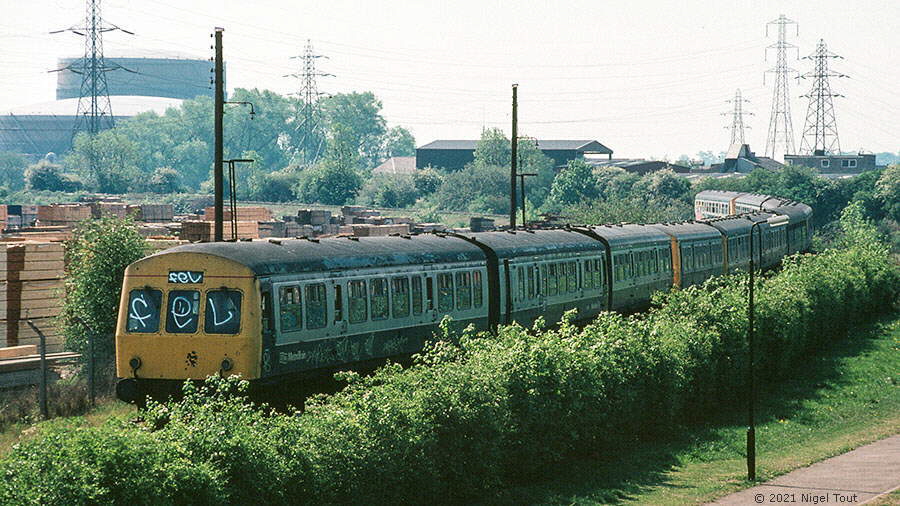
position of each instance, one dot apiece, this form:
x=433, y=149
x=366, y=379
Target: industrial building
x=835, y=164
x=455, y=154
x=151, y=83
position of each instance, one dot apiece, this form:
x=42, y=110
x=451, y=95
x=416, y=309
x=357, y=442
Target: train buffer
x=21, y=365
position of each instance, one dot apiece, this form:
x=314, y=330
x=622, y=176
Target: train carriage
x=278, y=310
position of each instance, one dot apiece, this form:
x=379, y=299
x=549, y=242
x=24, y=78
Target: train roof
x=753, y=199
x=619, y=236
x=689, y=230
x=517, y=243
x=731, y=226
x=300, y=255
x=795, y=211
x=717, y=195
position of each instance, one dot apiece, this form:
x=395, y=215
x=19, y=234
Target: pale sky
x=646, y=78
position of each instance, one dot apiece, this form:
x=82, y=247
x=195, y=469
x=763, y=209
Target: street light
x=774, y=221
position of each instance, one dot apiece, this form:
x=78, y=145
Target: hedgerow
x=475, y=411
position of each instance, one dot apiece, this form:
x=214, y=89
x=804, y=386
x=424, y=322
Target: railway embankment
x=468, y=419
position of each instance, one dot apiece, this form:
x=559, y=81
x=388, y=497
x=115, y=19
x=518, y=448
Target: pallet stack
x=243, y=214
x=63, y=215
x=103, y=209
x=203, y=231
x=31, y=275
x=154, y=213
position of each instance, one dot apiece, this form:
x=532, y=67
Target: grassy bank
x=844, y=396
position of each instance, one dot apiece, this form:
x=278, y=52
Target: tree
x=12, y=170
x=96, y=258
x=49, y=176
x=165, y=180
x=427, y=180
x=888, y=190
x=328, y=182
x=399, y=142
x=395, y=190
x=664, y=184
x=356, y=124
x=576, y=183
x=495, y=150
x=476, y=188
x=108, y=160
x=274, y=186
x=615, y=182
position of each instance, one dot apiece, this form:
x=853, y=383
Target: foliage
x=164, y=180
x=96, y=258
x=427, y=180
x=107, y=160
x=398, y=141
x=356, y=126
x=329, y=182
x=654, y=210
x=575, y=183
x=495, y=150
x=476, y=188
x=46, y=176
x=888, y=190
x=394, y=190
x=272, y=187
x=12, y=170
x=476, y=410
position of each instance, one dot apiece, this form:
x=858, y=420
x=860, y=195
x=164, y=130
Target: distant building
x=455, y=154
x=147, y=82
x=740, y=159
x=397, y=165
x=639, y=166
x=835, y=164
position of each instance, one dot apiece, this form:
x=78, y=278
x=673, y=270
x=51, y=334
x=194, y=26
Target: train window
x=654, y=260
x=687, y=258
x=571, y=276
x=562, y=278
x=400, y=297
x=265, y=309
x=429, y=293
x=552, y=286
x=463, y=290
x=291, y=310
x=359, y=305
x=520, y=283
x=338, y=303
x=445, y=292
x=529, y=270
x=477, y=296
x=598, y=272
x=588, y=274
x=316, y=306
x=619, y=269
x=629, y=265
x=379, y=298
x=543, y=271
x=183, y=312
x=143, y=310
x=223, y=312
x=666, y=259
x=417, y=295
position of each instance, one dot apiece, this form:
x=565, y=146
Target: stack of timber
x=243, y=214
x=379, y=230
x=64, y=215
x=4, y=216
x=204, y=231
x=154, y=213
x=32, y=289
x=159, y=244
x=104, y=209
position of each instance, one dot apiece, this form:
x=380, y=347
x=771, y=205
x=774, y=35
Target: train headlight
x=227, y=364
x=135, y=363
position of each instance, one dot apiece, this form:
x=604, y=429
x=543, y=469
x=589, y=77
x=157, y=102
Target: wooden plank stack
x=102, y=209
x=31, y=287
x=203, y=231
x=243, y=214
x=156, y=213
x=65, y=215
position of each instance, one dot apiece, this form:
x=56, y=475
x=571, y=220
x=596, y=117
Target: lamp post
x=774, y=221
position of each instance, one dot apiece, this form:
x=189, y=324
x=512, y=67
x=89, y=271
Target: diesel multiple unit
x=280, y=310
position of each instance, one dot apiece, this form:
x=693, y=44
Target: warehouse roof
x=545, y=145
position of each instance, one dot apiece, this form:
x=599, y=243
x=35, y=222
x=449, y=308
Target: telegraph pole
x=219, y=112
x=513, y=158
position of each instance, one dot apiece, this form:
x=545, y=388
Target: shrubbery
x=471, y=415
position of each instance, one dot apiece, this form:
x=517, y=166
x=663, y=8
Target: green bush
x=96, y=258
x=476, y=411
